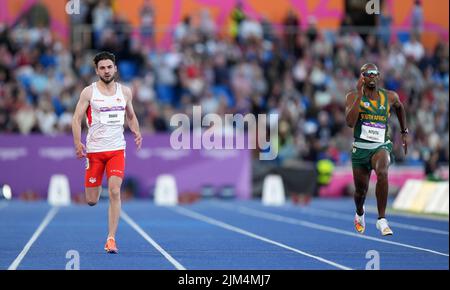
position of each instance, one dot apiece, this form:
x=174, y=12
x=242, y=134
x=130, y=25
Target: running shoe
x=360, y=223
x=384, y=228
x=110, y=246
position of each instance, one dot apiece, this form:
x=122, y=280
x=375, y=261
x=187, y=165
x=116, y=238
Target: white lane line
x=229, y=227
x=50, y=215
x=341, y=216
x=138, y=229
x=373, y=210
x=280, y=218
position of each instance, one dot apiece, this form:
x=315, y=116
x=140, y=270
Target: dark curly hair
x=104, y=55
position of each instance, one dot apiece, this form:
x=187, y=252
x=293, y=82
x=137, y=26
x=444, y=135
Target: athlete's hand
x=360, y=84
x=405, y=143
x=80, y=150
x=138, y=140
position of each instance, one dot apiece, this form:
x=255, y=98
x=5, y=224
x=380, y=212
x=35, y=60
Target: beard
x=371, y=85
x=107, y=80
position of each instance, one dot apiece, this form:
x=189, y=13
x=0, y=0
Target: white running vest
x=105, y=118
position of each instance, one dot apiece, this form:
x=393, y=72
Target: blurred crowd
x=251, y=66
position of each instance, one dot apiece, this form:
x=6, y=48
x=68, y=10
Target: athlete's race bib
x=374, y=132
x=112, y=117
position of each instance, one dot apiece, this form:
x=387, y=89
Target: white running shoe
x=360, y=223
x=384, y=228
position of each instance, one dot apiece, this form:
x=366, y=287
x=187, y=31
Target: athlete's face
x=106, y=70
x=371, y=76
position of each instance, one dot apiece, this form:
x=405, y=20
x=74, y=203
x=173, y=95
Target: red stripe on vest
x=89, y=115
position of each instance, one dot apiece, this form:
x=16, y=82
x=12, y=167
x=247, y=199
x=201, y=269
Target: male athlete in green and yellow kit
x=367, y=111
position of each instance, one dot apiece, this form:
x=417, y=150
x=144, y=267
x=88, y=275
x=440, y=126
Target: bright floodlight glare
x=7, y=193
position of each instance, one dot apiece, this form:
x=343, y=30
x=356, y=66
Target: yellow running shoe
x=360, y=223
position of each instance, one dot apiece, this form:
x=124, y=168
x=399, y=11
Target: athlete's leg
x=114, y=183
x=93, y=177
x=93, y=195
x=380, y=163
x=361, y=177
x=114, y=170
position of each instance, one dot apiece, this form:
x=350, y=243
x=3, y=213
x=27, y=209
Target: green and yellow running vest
x=372, y=125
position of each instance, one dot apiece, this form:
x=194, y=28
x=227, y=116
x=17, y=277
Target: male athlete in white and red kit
x=105, y=104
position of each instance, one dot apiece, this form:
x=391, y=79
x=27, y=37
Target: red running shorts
x=97, y=162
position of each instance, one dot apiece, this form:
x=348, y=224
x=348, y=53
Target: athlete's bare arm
x=394, y=102
x=352, y=101
x=133, y=123
x=80, y=110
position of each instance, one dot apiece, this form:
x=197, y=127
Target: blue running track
x=217, y=235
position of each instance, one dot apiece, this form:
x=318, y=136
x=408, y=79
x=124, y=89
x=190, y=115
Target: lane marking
x=347, y=217
x=50, y=215
x=138, y=229
x=280, y=218
x=206, y=219
x=373, y=210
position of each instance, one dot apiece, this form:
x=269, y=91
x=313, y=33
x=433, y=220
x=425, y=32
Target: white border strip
x=138, y=229
x=50, y=215
x=279, y=218
x=206, y=219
